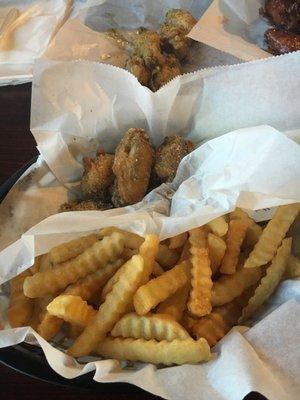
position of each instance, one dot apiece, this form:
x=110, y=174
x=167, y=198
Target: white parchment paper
x=39, y=21
x=234, y=27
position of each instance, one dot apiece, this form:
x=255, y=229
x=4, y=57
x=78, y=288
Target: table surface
x=17, y=147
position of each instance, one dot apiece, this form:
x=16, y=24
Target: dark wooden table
x=17, y=147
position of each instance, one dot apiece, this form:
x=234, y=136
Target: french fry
x=95, y=257
x=185, y=254
x=151, y=326
x=49, y=326
x=115, y=306
x=20, y=308
x=253, y=232
x=71, y=309
x=92, y=283
x=218, y=226
x=229, y=287
x=235, y=237
x=132, y=240
x=175, y=304
x=187, y=351
x=45, y=263
x=198, y=237
x=272, y=236
x=148, y=250
x=211, y=327
x=292, y=268
x=270, y=281
x=199, y=303
x=127, y=253
x=36, y=266
x=178, y=240
x=217, y=248
x=86, y=288
x=157, y=290
x=157, y=269
x=72, y=249
x=167, y=257
x=188, y=322
x=110, y=283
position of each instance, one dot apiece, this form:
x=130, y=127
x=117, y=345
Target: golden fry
x=178, y=240
x=72, y=249
x=199, y=303
x=235, y=237
x=198, y=237
x=218, y=226
x=49, y=326
x=93, y=283
x=253, y=232
x=86, y=289
x=45, y=263
x=185, y=254
x=212, y=328
x=115, y=306
x=157, y=269
x=175, y=304
x=151, y=326
x=149, y=250
x=20, y=307
x=167, y=257
x=272, y=236
x=270, y=281
x=95, y=257
x=71, y=309
x=229, y=287
x=187, y=351
x=217, y=248
x=132, y=240
x=157, y=290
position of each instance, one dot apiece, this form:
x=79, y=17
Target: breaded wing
x=97, y=176
x=147, y=45
x=132, y=165
x=168, y=156
x=165, y=72
x=173, y=32
x=181, y=19
x=137, y=67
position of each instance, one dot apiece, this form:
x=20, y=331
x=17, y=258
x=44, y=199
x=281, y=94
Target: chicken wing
x=173, y=32
x=132, y=166
x=165, y=72
x=137, y=67
x=281, y=41
x=283, y=13
x=168, y=156
x=147, y=45
x=97, y=176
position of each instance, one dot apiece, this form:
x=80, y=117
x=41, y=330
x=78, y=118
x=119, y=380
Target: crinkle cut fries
x=129, y=298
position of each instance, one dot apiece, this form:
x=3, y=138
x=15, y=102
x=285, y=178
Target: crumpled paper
x=234, y=27
x=26, y=28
